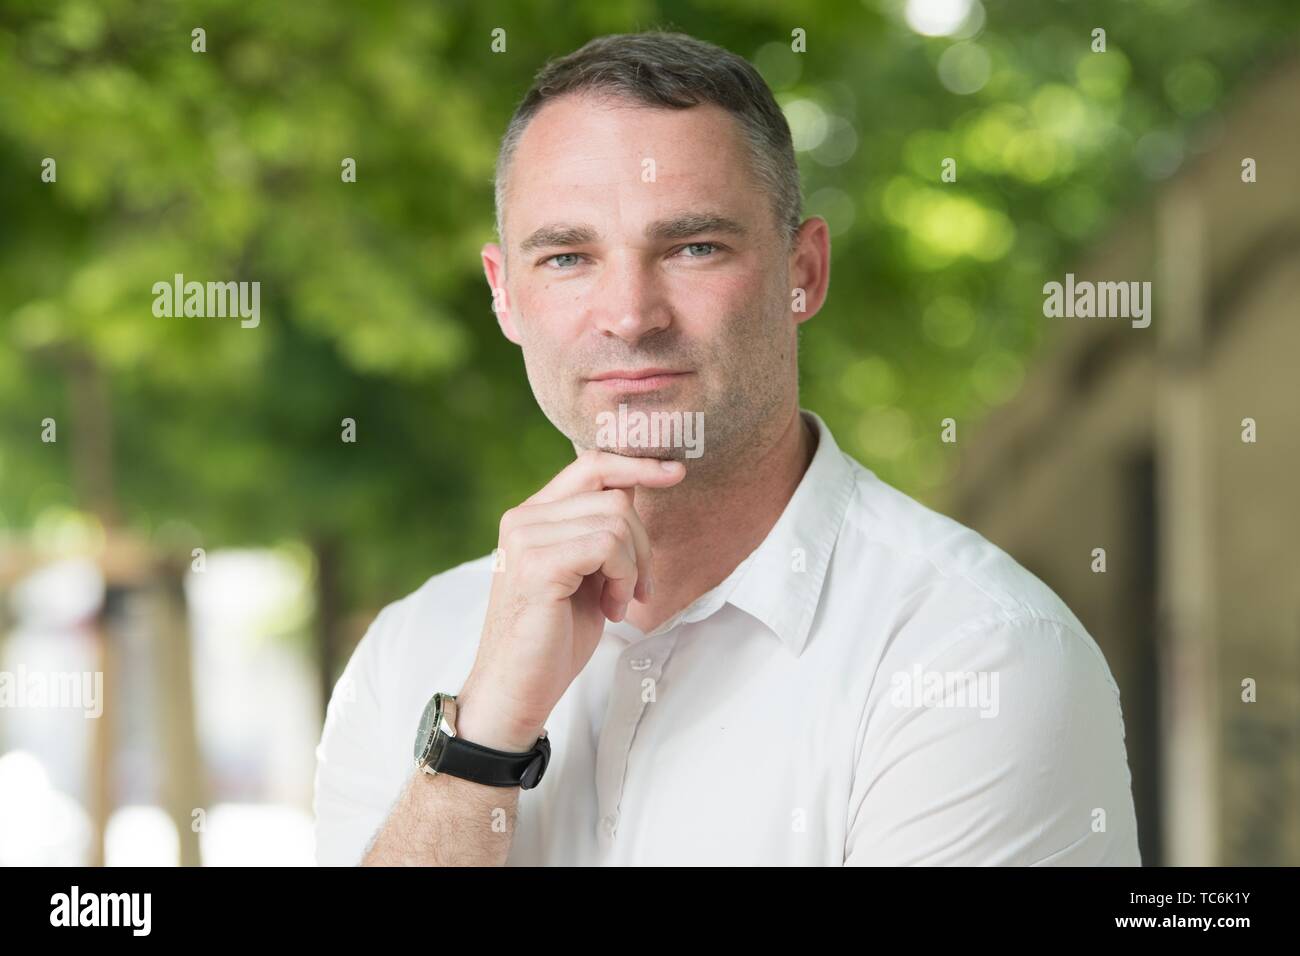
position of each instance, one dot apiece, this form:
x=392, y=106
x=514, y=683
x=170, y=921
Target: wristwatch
x=439, y=750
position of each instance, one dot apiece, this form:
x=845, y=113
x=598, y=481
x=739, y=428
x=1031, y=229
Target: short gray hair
x=672, y=71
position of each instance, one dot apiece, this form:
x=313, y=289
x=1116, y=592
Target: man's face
x=638, y=240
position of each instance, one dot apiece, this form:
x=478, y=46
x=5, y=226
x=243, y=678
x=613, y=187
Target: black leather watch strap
x=495, y=768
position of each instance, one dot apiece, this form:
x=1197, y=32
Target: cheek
x=555, y=308
x=725, y=302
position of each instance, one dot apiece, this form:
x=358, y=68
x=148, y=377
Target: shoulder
x=450, y=591
x=943, y=584
x=991, y=729
x=437, y=622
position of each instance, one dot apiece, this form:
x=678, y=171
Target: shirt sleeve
x=1005, y=748
x=353, y=793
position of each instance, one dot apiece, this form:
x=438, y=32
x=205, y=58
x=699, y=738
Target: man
x=741, y=650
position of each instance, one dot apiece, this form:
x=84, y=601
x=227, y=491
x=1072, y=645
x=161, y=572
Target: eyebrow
x=675, y=227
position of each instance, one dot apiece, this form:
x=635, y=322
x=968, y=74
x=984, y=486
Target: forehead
x=615, y=162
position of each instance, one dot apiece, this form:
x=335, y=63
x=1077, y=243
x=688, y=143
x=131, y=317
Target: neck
x=702, y=529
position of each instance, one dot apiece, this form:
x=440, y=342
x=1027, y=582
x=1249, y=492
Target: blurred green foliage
x=226, y=165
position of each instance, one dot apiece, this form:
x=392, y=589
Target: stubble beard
x=743, y=394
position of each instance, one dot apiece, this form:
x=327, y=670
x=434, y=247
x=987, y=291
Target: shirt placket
x=636, y=675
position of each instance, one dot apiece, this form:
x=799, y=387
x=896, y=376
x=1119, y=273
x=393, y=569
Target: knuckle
x=608, y=539
x=621, y=529
x=605, y=521
x=622, y=503
x=510, y=542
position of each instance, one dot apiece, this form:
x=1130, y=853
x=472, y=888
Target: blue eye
x=698, y=245
x=564, y=255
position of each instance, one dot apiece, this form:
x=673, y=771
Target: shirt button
x=610, y=823
x=640, y=663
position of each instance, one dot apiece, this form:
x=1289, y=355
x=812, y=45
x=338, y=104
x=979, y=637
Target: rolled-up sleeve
x=1004, y=748
x=353, y=791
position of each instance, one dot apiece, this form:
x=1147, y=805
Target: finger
x=564, y=559
x=595, y=589
x=615, y=503
x=610, y=605
x=599, y=470
x=613, y=557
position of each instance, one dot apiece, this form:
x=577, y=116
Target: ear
x=810, y=268
x=494, y=267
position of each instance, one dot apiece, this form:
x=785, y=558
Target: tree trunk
x=329, y=615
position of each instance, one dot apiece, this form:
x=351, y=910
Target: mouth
x=637, y=380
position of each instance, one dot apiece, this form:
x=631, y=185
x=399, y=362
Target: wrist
x=478, y=722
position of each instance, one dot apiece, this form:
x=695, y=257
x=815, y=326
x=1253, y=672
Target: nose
x=630, y=300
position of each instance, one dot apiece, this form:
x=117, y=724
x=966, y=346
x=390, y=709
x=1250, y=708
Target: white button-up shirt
x=874, y=684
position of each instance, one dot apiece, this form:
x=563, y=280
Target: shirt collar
x=780, y=582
